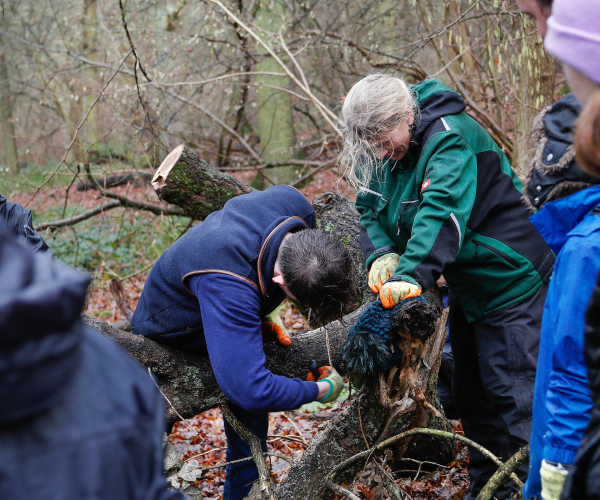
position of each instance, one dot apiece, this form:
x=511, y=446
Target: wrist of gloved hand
x=333, y=379
x=381, y=269
x=273, y=329
x=395, y=291
x=553, y=477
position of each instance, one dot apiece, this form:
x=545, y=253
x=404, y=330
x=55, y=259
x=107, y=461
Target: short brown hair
x=317, y=270
x=587, y=136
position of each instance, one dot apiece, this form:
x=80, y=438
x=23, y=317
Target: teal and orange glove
x=394, y=292
x=381, y=269
x=272, y=329
x=332, y=377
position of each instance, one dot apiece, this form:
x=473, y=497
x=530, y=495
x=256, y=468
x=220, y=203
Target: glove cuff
x=324, y=398
x=403, y=277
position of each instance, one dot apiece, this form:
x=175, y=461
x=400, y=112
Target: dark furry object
x=366, y=353
x=367, y=350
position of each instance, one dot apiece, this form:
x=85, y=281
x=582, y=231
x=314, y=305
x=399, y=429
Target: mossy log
x=185, y=180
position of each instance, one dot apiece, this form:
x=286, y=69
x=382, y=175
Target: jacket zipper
x=508, y=259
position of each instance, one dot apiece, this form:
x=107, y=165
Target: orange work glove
x=323, y=371
x=272, y=329
x=394, y=292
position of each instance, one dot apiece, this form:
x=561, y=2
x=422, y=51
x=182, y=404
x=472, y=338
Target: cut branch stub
x=185, y=180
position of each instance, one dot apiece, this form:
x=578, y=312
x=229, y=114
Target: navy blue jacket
x=562, y=403
x=213, y=286
x=79, y=419
x=20, y=221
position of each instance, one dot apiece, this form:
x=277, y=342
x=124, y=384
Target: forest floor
x=123, y=244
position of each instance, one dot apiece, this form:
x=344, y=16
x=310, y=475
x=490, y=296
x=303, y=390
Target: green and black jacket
x=453, y=206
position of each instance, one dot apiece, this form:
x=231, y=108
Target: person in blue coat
x=217, y=289
x=79, y=418
x=569, y=221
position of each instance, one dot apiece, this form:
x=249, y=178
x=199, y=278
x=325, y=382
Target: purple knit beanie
x=574, y=35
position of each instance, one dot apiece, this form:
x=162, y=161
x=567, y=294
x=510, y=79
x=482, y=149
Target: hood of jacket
x=40, y=327
x=553, y=172
x=435, y=101
x=557, y=219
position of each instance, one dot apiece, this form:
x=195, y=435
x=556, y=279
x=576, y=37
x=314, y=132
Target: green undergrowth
x=119, y=244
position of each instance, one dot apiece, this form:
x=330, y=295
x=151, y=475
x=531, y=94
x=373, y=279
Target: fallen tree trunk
x=188, y=382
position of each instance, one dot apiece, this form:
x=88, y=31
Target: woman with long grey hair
x=438, y=196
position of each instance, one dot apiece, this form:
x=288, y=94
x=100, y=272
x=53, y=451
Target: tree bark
x=275, y=120
x=11, y=156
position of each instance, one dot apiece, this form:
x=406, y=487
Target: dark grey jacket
x=79, y=419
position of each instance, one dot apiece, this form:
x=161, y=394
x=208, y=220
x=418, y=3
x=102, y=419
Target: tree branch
x=264, y=476
x=107, y=205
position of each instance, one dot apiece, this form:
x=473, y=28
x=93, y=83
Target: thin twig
x=295, y=426
x=360, y=421
x=137, y=59
x=341, y=490
x=254, y=443
x=174, y=409
x=503, y=472
x=206, y=453
x=247, y=459
x=295, y=439
x=423, y=462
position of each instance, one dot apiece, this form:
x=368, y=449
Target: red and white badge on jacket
x=425, y=185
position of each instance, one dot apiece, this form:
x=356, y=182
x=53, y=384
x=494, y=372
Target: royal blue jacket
x=213, y=286
x=562, y=403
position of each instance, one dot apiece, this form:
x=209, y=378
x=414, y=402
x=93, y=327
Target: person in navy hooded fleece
x=216, y=286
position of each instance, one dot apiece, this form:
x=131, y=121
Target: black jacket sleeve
x=20, y=221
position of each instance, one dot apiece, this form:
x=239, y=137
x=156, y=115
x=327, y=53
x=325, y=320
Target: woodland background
x=106, y=88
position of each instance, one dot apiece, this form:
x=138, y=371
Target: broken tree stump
x=185, y=180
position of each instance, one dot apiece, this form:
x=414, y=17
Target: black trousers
x=494, y=373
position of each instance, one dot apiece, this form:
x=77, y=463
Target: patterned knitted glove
x=367, y=350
